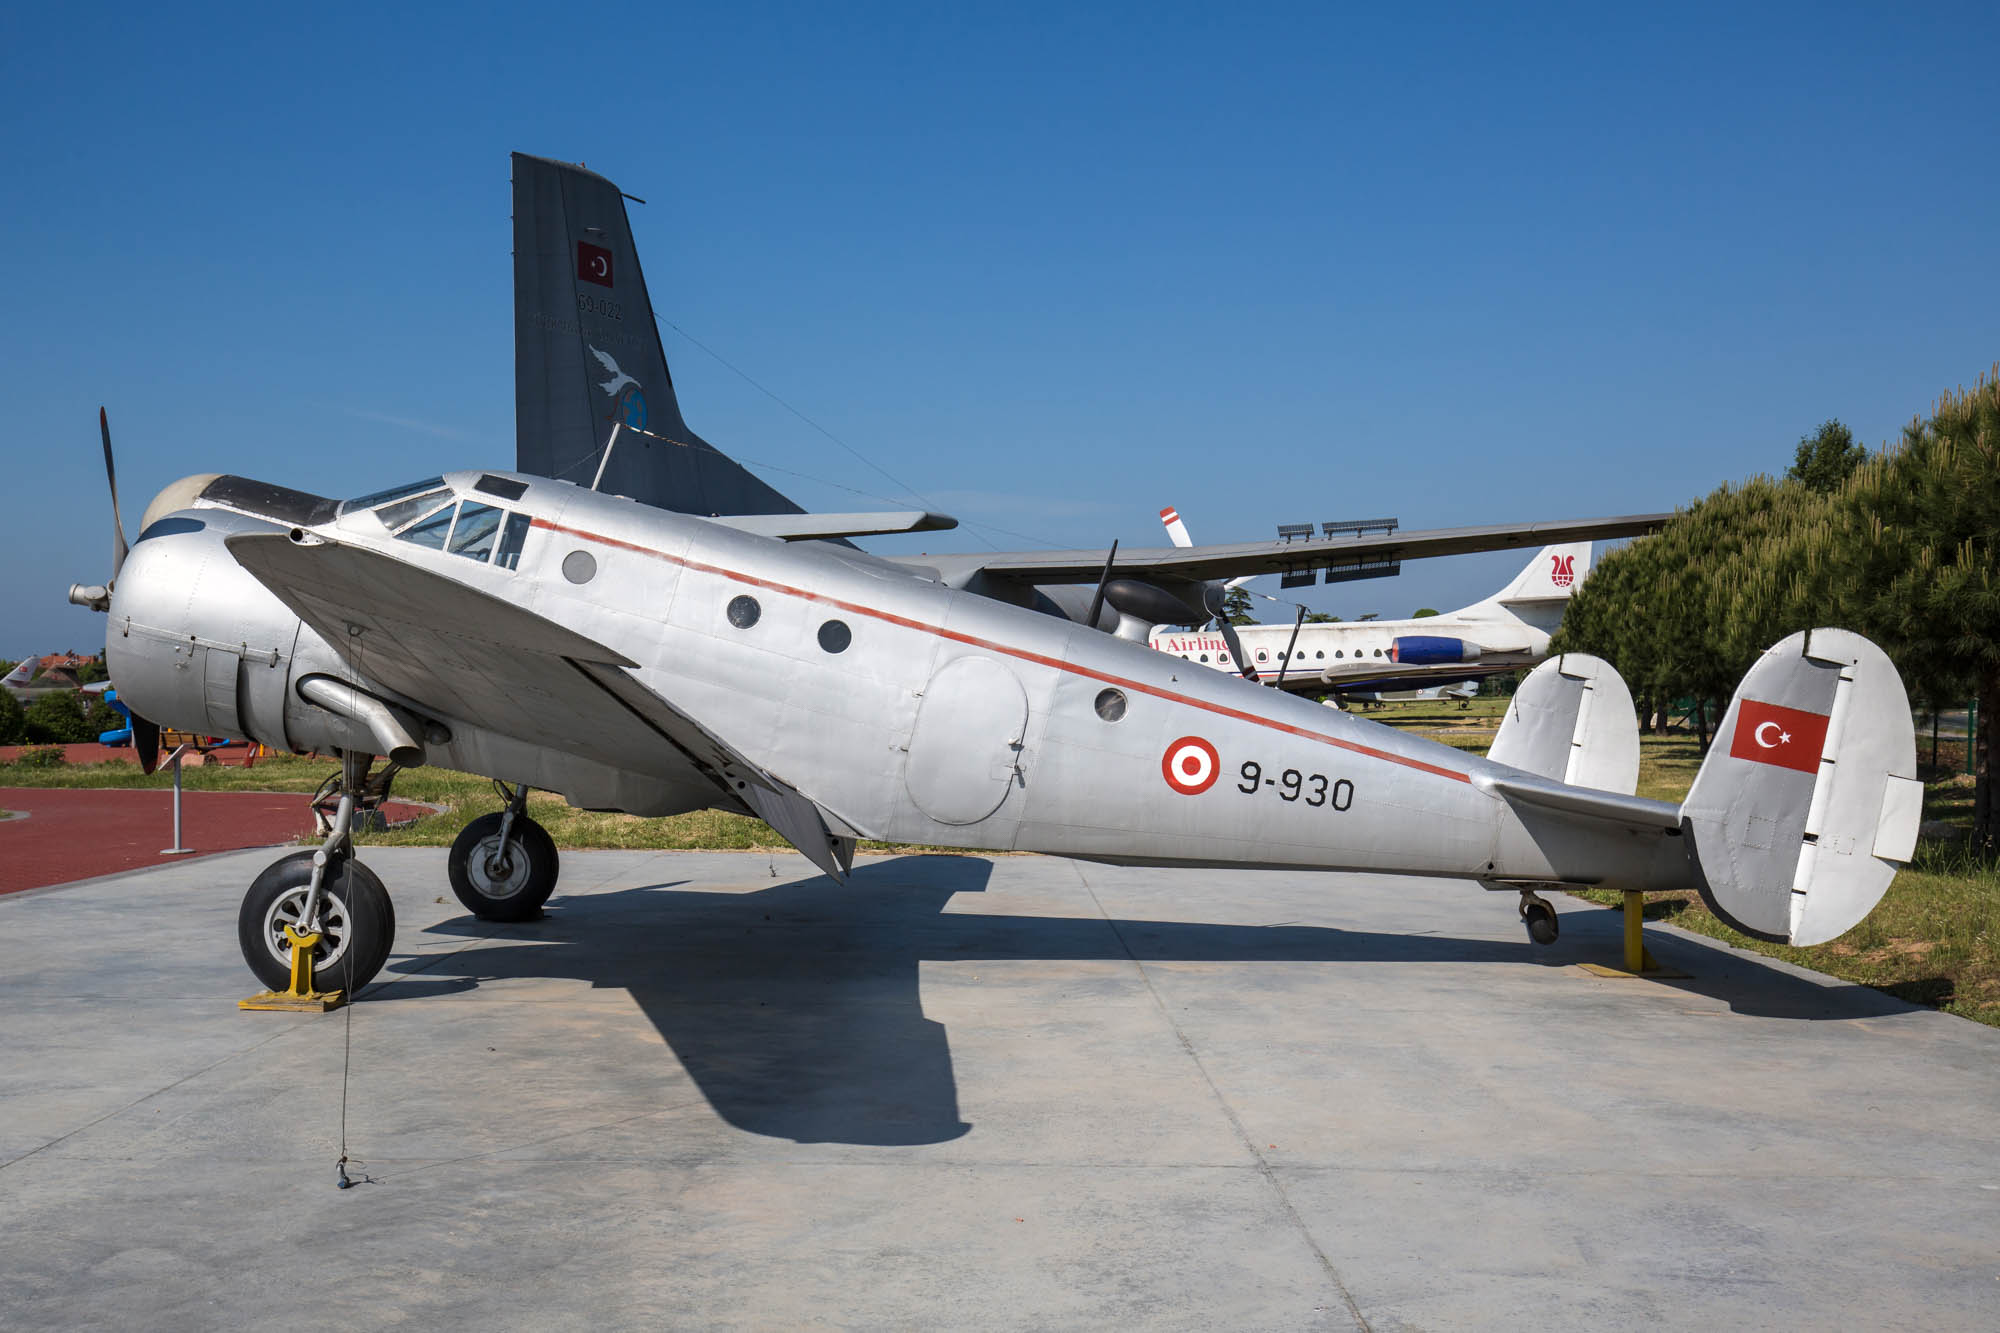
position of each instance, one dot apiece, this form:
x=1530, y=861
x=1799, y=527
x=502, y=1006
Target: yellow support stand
x=1638, y=961
x=301, y=998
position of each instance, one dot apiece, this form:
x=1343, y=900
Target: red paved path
x=76, y=834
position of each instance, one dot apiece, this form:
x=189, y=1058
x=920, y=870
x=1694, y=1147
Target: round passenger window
x=834, y=636
x=579, y=567
x=1111, y=704
x=743, y=612
x=1263, y=656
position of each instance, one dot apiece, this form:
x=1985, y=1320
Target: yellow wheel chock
x=301, y=998
x=1639, y=961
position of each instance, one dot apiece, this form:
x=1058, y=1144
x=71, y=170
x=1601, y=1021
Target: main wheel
x=1540, y=919
x=357, y=923
x=503, y=883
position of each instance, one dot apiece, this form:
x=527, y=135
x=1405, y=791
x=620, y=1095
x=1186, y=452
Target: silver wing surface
x=470, y=657
x=1240, y=559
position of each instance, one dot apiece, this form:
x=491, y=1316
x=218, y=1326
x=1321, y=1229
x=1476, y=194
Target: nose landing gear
x=1539, y=917
x=504, y=866
x=324, y=895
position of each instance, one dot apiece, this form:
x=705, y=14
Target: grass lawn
x=1934, y=939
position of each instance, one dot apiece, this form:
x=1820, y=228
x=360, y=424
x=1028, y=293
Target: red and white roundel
x=1190, y=766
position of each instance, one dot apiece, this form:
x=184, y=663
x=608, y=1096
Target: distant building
x=60, y=669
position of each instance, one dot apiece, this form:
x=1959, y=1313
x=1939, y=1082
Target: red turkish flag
x=1775, y=734
x=593, y=263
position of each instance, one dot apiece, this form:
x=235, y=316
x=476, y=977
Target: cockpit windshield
x=374, y=498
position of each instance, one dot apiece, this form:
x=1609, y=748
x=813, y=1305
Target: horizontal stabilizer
x=811, y=527
x=1633, y=811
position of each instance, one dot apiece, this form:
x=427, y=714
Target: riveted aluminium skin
x=878, y=736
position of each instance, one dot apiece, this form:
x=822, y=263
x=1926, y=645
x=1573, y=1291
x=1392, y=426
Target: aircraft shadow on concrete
x=795, y=1009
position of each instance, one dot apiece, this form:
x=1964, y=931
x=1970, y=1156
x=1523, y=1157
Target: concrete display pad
x=1013, y=1092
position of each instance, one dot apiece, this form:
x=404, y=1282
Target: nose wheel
x=324, y=895
x=504, y=866
x=1540, y=919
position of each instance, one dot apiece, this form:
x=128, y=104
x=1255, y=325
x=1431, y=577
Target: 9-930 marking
x=1315, y=789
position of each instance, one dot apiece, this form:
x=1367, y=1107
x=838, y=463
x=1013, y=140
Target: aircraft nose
x=175, y=496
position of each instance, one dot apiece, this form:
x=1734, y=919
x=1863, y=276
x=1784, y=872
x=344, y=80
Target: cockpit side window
x=403, y=512
x=431, y=532
x=511, y=542
x=478, y=529
x=477, y=524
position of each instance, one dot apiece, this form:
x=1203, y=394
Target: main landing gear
x=1539, y=917
x=324, y=895
x=504, y=866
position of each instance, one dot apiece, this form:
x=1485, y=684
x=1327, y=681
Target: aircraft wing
x=1241, y=559
x=471, y=657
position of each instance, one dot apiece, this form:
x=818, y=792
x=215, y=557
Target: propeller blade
x=1236, y=652
x=1097, y=598
x=118, y=546
x=146, y=744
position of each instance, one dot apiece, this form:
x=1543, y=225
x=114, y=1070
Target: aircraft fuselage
x=906, y=710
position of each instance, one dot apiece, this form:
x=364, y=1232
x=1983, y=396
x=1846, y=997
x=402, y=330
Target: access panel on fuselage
x=965, y=749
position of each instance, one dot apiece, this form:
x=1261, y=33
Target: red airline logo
x=593, y=263
x=1774, y=734
x=1564, y=572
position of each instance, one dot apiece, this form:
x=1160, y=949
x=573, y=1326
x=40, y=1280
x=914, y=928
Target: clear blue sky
x=1052, y=266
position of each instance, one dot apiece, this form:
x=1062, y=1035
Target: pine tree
x=1826, y=458
x=1915, y=564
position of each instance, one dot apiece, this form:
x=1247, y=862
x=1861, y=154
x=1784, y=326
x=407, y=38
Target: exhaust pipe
x=392, y=738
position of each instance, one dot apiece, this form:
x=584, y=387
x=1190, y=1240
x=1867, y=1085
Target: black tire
x=510, y=890
x=356, y=910
x=1540, y=918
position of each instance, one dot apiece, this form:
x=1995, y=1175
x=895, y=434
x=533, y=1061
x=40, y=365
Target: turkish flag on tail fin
x=1774, y=734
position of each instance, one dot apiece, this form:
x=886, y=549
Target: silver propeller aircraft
x=638, y=657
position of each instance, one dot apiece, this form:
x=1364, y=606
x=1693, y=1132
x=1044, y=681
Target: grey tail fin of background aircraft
x=587, y=355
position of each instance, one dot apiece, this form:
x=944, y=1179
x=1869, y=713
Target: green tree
x=1684, y=613
x=13, y=726
x=1322, y=618
x=1236, y=607
x=91, y=671
x=56, y=718
x=1826, y=458
x=1422, y=612
x=1914, y=564
x=101, y=717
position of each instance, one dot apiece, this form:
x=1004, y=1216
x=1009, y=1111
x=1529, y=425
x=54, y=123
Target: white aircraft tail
x=1553, y=574
x=1808, y=802
x=21, y=674
x=1572, y=721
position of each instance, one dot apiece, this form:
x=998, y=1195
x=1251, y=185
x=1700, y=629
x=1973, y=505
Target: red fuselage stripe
x=1074, y=669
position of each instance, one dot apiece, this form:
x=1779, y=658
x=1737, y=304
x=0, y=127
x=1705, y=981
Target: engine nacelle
x=196, y=643
x=1425, y=650
x=1151, y=603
